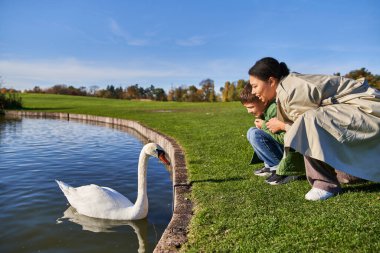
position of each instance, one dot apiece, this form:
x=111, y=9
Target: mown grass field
x=235, y=210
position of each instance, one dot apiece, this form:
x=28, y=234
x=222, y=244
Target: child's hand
x=259, y=123
x=274, y=125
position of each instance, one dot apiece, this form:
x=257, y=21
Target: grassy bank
x=236, y=211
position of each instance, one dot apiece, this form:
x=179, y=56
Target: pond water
x=35, y=216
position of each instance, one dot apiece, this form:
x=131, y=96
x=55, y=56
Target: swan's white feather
x=95, y=201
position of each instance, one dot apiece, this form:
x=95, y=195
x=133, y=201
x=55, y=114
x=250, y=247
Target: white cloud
x=192, y=41
x=118, y=31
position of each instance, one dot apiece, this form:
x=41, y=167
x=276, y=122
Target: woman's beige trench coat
x=333, y=119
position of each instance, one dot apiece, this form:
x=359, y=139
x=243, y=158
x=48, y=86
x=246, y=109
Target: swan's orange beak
x=163, y=159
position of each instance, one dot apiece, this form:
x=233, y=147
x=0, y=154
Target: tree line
x=111, y=91
x=205, y=92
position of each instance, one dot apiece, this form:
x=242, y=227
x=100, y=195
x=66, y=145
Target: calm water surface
x=35, y=216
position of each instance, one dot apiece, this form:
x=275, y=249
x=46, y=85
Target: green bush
x=10, y=100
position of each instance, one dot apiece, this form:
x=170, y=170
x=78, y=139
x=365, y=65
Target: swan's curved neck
x=141, y=203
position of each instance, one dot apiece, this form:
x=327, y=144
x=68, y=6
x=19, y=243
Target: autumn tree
x=208, y=89
x=225, y=91
x=177, y=94
x=239, y=87
x=194, y=94
x=373, y=80
x=231, y=91
x=132, y=92
x=181, y=94
x=186, y=94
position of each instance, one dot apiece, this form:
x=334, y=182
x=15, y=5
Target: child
x=268, y=146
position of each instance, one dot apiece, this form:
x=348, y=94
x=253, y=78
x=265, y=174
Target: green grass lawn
x=235, y=210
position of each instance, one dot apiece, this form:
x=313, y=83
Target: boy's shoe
x=273, y=174
x=263, y=172
x=318, y=194
x=280, y=179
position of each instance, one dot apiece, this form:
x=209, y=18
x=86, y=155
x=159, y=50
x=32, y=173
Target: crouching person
x=269, y=147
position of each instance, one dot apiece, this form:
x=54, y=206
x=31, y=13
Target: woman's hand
x=274, y=125
x=259, y=123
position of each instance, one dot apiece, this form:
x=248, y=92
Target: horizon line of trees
x=111, y=91
x=204, y=92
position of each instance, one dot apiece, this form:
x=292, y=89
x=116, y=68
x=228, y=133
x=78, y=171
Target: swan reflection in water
x=102, y=225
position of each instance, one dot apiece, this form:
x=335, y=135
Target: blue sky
x=169, y=43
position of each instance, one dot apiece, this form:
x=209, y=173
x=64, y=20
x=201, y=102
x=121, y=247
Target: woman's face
x=265, y=90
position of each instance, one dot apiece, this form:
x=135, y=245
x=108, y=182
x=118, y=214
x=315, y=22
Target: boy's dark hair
x=269, y=67
x=246, y=95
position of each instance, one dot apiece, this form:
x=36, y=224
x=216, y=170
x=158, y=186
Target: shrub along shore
x=235, y=210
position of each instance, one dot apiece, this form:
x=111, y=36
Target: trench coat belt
x=329, y=101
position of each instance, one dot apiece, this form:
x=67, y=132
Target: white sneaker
x=318, y=194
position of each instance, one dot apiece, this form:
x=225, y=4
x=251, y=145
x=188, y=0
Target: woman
x=333, y=121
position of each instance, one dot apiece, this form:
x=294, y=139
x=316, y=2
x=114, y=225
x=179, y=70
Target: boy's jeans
x=266, y=148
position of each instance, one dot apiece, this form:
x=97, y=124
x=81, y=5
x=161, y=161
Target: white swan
x=106, y=203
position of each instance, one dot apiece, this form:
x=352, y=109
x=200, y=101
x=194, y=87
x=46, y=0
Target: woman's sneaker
x=318, y=194
x=263, y=172
x=280, y=179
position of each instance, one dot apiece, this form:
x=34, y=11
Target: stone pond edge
x=175, y=235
